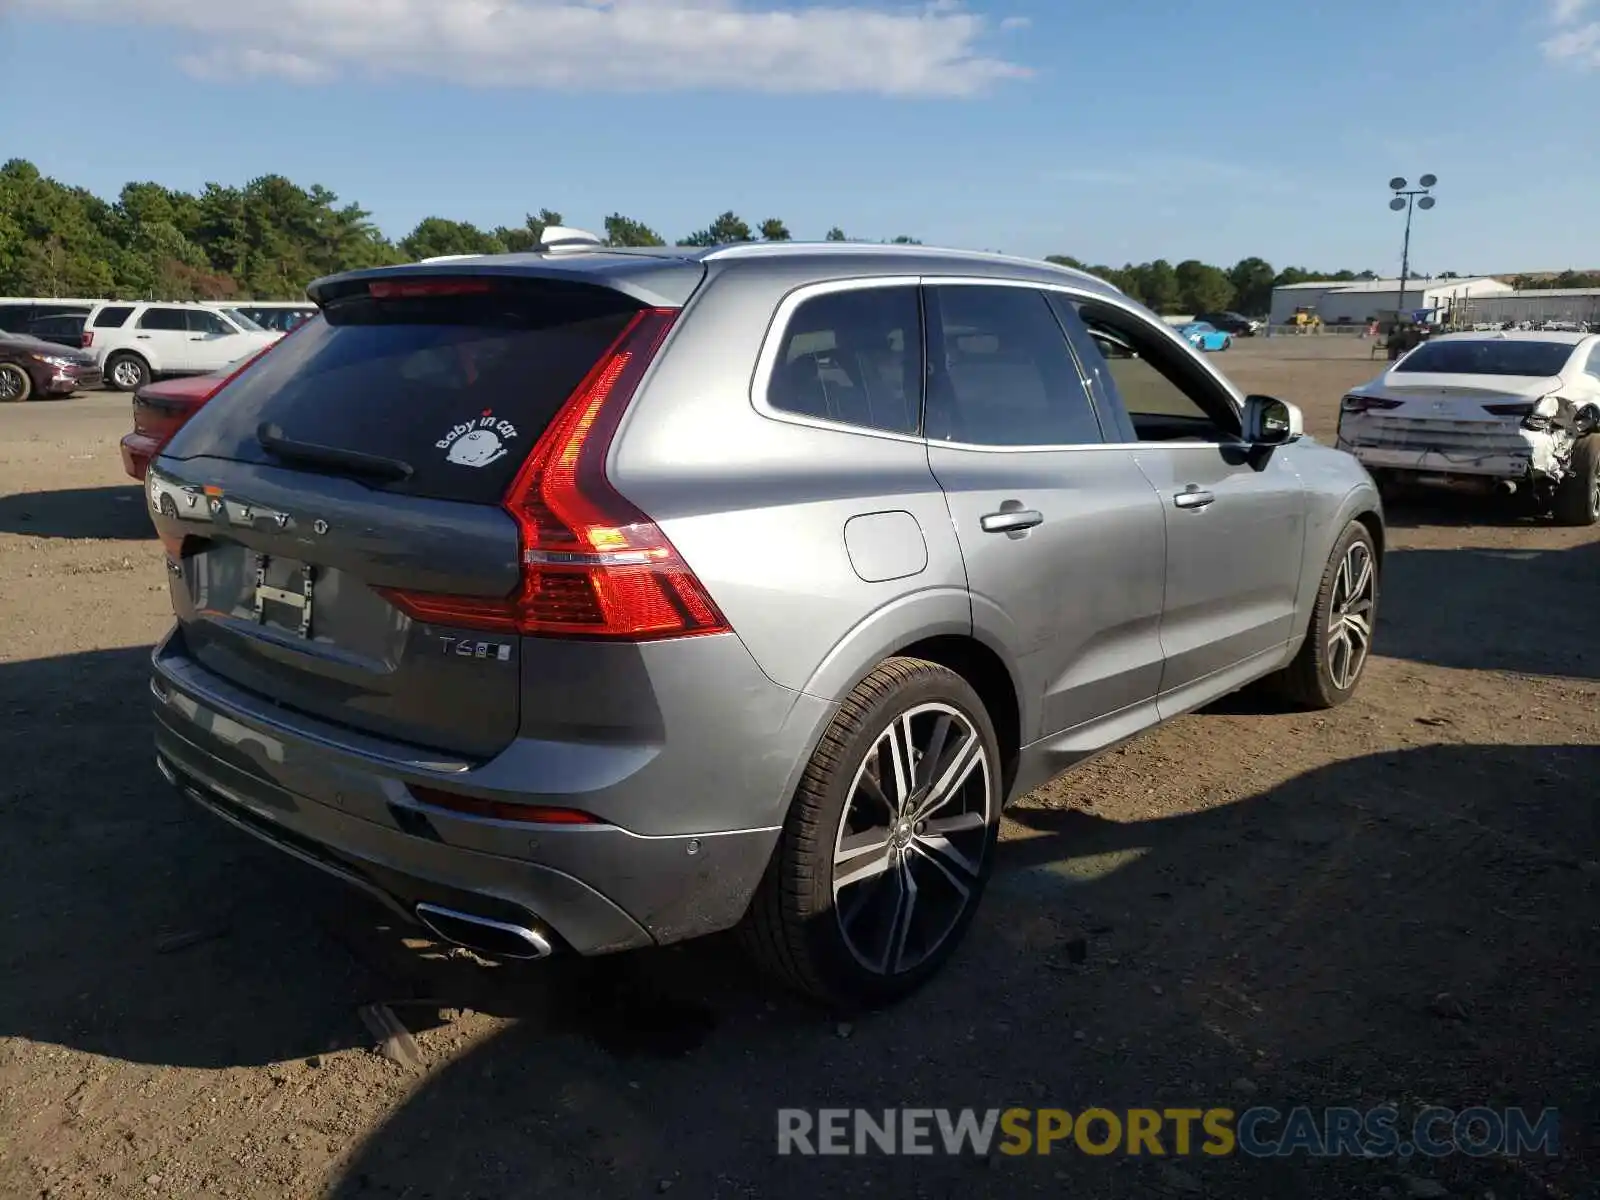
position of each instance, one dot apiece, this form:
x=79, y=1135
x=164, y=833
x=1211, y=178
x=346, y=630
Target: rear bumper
x=1426, y=462
x=342, y=804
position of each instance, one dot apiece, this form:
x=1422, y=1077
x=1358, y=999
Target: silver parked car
x=590, y=599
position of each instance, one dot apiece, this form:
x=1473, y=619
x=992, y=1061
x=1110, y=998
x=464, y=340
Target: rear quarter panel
x=758, y=505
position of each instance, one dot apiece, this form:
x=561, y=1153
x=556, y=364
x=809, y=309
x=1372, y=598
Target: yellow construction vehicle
x=1304, y=318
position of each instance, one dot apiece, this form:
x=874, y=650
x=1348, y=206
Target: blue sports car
x=1205, y=337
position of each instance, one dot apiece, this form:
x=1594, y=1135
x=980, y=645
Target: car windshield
x=243, y=322
x=1488, y=356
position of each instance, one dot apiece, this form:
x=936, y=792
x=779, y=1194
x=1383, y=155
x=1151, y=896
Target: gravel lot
x=1395, y=901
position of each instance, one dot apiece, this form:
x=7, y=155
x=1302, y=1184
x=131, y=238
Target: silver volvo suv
x=589, y=599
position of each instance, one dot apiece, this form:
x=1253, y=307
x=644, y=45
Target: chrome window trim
x=777, y=327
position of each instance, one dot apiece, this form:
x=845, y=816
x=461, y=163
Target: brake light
x=1520, y=409
x=1361, y=404
x=86, y=339
x=405, y=289
x=593, y=565
x=501, y=810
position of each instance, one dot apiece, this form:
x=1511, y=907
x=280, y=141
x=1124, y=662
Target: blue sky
x=1113, y=131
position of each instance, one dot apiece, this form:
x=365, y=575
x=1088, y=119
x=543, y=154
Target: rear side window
x=14, y=318
x=112, y=318
x=57, y=325
x=164, y=319
x=1004, y=375
x=457, y=387
x=853, y=356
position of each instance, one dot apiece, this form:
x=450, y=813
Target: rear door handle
x=143, y=337
x=1011, y=520
x=1193, y=496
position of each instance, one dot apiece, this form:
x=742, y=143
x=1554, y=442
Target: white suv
x=136, y=341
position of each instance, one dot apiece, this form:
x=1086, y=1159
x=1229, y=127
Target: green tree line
x=269, y=238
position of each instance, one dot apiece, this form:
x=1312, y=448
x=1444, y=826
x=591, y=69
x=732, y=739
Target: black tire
x=125, y=362
x=1577, y=498
x=1312, y=680
x=16, y=385
x=793, y=929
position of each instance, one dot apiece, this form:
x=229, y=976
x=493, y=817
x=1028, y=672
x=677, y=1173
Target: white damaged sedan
x=1503, y=411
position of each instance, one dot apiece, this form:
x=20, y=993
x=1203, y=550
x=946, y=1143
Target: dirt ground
x=1392, y=902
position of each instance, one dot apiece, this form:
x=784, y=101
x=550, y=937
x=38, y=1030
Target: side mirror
x=1269, y=421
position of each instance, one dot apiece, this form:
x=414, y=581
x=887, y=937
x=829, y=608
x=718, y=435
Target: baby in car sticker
x=478, y=442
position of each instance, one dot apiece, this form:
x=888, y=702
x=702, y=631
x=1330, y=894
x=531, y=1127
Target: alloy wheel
x=126, y=373
x=1350, y=615
x=10, y=385
x=909, y=853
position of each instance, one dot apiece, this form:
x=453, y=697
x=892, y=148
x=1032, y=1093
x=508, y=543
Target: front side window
x=853, y=356
x=164, y=319
x=201, y=321
x=1167, y=394
x=1002, y=374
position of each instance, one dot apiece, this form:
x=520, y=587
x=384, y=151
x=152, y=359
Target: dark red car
x=32, y=368
x=160, y=410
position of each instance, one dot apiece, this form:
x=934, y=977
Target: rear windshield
x=459, y=388
x=1488, y=356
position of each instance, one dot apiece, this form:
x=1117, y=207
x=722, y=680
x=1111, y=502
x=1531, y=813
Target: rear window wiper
x=375, y=466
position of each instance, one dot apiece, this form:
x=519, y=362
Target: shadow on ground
x=1415, y=926
x=99, y=512
x=1499, y=609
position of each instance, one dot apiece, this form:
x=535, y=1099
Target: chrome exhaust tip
x=498, y=939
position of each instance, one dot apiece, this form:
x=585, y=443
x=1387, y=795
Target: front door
x=1061, y=533
x=1235, y=517
x=213, y=343
x=164, y=334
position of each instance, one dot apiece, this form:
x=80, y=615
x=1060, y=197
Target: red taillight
x=406, y=289
x=1361, y=404
x=593, y=565
x=86, y=339
x=501, y=810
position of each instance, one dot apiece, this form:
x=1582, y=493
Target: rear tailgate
x=371, y=451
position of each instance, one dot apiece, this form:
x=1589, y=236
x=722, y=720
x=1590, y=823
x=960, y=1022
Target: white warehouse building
x=1357, y=301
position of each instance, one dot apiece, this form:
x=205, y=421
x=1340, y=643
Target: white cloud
x=579, y=45
x=1564, y=12
x=1579, y=45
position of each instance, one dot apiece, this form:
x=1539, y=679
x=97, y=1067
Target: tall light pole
x=1407, y=198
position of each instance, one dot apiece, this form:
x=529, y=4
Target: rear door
x=1062, y=535
x=284, y=556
